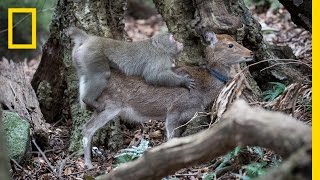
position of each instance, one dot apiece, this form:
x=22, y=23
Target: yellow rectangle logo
x=33, y=44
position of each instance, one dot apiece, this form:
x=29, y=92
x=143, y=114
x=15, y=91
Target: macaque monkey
x=175, y=105
x=152, y=59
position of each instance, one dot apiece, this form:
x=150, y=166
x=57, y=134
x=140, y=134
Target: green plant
x=226, y=159
x=209, y=176
x=255, y=169
x=130, y=154
x=258, y=167
x=272, y=94
x=272, y=4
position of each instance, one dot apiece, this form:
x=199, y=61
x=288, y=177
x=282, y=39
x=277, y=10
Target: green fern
x=258, y=150
x=255, y=169
x=226, y=159
x=130, y=154
x=272, y=94
x=209, y=176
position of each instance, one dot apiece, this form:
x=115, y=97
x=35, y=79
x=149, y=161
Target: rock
x=17, y=135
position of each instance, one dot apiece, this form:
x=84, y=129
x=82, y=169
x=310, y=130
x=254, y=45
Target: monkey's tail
x=78, y=35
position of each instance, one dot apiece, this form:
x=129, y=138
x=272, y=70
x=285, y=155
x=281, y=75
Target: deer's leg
x=180, y=113
x=97, y=121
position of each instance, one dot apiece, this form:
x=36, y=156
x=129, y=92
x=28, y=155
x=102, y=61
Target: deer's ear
x=213, y=39
x=210, y=38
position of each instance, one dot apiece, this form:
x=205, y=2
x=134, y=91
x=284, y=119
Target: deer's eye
x=230, y=45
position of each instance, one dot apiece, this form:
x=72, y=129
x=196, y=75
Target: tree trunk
x=55, y=81
x=4, y=161
x=18, y=96
x=300, y=11
x=186, y=18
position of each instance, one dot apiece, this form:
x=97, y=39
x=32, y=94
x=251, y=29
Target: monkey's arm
x=169, y=78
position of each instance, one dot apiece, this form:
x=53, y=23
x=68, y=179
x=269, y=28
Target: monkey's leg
x=96, y=122
x=94, y=86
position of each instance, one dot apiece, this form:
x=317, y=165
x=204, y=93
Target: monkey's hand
x=189, y=82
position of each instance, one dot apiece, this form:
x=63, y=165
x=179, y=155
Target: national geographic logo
x=11, y=12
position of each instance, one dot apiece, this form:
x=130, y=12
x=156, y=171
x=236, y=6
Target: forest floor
x=242, y=163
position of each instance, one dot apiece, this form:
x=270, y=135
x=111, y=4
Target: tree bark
x=4, y=161
x=240, y=126
x=300, y=11
x=187, y=18
x=18, y=96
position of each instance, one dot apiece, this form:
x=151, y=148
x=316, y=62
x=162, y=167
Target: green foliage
x=252, y=170
x=147, y=2
x=130, y=154
x=272, y=4
x=258, y=168
x=255, y=169
x=209, y=176
x=226, y=159
x=272, y=94
x=44, y=10
x=258, y=150
x=22, y=25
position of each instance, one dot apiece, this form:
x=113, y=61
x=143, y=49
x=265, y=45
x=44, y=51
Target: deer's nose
x=251, y=53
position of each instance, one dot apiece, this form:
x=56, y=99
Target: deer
x=131, y=98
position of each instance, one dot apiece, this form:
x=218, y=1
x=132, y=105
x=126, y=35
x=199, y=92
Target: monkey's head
x=167, y=43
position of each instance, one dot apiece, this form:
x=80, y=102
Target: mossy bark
x=4, y=161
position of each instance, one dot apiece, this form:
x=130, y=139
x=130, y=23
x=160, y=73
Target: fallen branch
x=242, y=125
x=53, y=170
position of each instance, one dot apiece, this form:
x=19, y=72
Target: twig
x=283, y=64
x=253, y=64
x=45, y=158
x=63, y=163
x=195, y=116
x=223, y=170
x=20, y=167
x=85, y=170
x=193, y=174
x=216, y=164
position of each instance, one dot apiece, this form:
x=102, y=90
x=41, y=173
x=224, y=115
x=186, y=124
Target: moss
x=44, y=94
x=17, y=135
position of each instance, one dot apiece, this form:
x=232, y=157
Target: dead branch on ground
x=242, y=125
